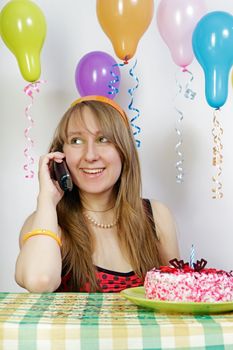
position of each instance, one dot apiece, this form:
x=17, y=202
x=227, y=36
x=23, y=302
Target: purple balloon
x=95, y=75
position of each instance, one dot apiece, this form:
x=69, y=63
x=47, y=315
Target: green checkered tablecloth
x=72, y=321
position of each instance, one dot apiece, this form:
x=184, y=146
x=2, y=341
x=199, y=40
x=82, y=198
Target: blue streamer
x=131, y=91
x=113, y=89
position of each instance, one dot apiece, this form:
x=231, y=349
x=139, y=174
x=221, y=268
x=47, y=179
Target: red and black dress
x=109, y=281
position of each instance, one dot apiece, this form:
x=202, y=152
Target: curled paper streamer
x=29, y=91
x=113, y=89
x=189, y=94
x=178, y=146
x=180, y=161
x=131, y=91
x=217, y=132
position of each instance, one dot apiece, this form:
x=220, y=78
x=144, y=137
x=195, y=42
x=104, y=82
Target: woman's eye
x=76, y=141
x=103, y=139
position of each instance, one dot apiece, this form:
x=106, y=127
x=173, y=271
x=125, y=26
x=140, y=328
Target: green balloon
x=23, y=30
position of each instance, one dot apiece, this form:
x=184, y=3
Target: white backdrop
x=73, y=30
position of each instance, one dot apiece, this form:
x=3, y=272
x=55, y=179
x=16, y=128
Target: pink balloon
x=177, y=20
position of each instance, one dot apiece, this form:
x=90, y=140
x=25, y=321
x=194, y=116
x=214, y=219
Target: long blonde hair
x=136, y=233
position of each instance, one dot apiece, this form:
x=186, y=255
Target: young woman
x=101, y=236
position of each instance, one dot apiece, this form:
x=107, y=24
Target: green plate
x=137, y=296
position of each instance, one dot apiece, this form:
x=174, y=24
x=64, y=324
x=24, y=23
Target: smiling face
x=93, y=160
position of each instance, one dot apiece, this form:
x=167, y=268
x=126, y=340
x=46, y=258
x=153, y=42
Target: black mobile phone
x=61, y=174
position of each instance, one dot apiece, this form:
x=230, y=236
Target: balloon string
x=178, y=146
x=131, y=91
x=217, y=132
x=113, y=89
x=29, y=91
x=188, y=92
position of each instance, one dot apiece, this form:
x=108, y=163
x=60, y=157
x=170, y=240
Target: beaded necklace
x=98, y=224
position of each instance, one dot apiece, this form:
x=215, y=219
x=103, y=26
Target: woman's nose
x=91, y=152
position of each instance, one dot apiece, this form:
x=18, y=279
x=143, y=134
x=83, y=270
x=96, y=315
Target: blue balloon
x=213, y=47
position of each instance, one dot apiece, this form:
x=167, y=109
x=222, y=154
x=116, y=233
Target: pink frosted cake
x=179, y=282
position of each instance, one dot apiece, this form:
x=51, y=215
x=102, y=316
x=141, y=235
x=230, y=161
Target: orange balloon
x=124, y=22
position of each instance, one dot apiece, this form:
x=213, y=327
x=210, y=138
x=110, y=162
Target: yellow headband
x=104, y=100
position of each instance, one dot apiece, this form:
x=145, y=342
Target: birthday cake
x=181, y=283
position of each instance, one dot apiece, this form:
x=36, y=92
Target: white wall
x=73, y=30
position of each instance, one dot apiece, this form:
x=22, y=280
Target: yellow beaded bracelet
x=42, y=232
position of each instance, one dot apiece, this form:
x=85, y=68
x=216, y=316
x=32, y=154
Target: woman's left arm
x=166, y=231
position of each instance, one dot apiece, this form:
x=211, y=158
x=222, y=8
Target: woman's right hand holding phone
x=49, y=188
